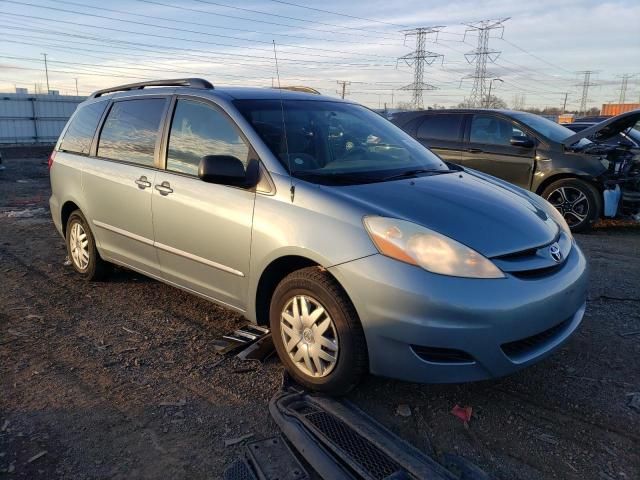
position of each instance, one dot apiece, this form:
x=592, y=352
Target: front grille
x=536, y=273
x=442, y=355
x=376, y=463
x=525, y=346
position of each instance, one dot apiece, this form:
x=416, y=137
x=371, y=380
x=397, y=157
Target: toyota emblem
x=556, y=254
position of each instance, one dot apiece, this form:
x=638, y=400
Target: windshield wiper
x=413, y=173
x=346, y=178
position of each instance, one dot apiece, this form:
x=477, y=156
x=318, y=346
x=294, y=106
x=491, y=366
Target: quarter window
x=79, y=135
x=198, y=130
x=130, y=131
x=492, y=130
x=444, y=126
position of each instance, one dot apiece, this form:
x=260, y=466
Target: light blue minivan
x=359, y=248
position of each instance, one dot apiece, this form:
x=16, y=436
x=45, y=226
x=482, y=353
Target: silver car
x=361, y=249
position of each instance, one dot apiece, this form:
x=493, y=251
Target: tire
x=85, y=259
x=578, y=201
x=319, y=290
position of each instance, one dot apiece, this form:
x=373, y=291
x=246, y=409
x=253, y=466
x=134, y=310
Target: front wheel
x=317, y=333
x=577, y=201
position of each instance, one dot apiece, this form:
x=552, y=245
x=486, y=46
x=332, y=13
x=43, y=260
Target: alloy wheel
x=309, y=336
x=572, y=203
x=79, y=246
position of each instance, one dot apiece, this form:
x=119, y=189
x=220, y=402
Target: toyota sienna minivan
x=358, y=247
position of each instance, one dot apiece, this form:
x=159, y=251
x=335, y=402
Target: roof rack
x=299, y=88
x=176, y=82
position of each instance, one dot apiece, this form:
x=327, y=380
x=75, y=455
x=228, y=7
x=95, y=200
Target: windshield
x=337, y=143
x=634, y=134
x=547, y=128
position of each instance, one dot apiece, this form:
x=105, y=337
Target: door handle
x=143, y=183
x=474, y=150
x=164, y=188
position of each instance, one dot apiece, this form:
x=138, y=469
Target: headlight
x=411, y=243
x=558, y=218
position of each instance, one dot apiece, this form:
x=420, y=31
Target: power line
x=199, y=42
x=418, y=59
x=134, y=22
x=155, y=17
x=481, y=55
x=288, y=17
x=181, y=7
x=535, y=56
x=340, y=14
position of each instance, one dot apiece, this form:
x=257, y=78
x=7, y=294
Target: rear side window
x=198, y=130
x=131, y=129
x=440, y=127
x=79, y=135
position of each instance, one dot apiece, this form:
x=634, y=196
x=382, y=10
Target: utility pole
x=481, y=55
x=586, y=83
x=77, y=94
x=418, y=59
x=564, y=104
x=343, y=90
x=46, y=71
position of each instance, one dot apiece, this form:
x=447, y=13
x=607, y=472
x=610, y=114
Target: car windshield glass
x=634, y=134
x=337, y=143
x=547, y=128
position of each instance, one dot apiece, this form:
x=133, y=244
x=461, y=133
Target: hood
x=483, y=213
x=606, y=129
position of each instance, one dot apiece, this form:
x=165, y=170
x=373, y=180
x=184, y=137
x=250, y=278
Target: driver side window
x=198, y=130
x=493, y=130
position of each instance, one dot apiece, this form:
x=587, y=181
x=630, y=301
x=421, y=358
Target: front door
x=203, y=230
x=489, y=150
x=117, y=183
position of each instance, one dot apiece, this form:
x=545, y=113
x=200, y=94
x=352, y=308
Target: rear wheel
x=81, y=249
x=317, y=333
x=577, y=201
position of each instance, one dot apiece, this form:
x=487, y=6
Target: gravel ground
x=117, y=379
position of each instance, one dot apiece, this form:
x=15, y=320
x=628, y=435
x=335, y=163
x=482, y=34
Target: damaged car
x=581, y=173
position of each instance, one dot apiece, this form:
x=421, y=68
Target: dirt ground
x=117, y=379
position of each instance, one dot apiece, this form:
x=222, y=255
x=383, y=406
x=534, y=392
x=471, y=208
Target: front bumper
x=424, y=327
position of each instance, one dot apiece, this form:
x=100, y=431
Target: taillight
x=52, y=157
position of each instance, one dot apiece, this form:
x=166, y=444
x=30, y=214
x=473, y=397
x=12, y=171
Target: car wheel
x=81, y=249
x=577, y=201
x=317, y=333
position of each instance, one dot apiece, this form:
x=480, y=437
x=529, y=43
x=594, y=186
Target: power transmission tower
x=480, y=56
x=586, y=83
x=343, y=90
x=418, y=59
x=623, y=87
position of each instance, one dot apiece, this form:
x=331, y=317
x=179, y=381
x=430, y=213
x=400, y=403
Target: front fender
x=316, y=226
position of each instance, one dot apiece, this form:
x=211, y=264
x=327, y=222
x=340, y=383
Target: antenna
x=284, y=124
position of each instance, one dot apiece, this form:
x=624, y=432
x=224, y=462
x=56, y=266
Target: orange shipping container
x=614, y=109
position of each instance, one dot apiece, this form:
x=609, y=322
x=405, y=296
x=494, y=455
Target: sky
x=542, y=48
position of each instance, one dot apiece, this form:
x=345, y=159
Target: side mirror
x=521, y=141
x=225, y=170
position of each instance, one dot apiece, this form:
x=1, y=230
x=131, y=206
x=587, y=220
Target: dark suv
x=570, y=171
